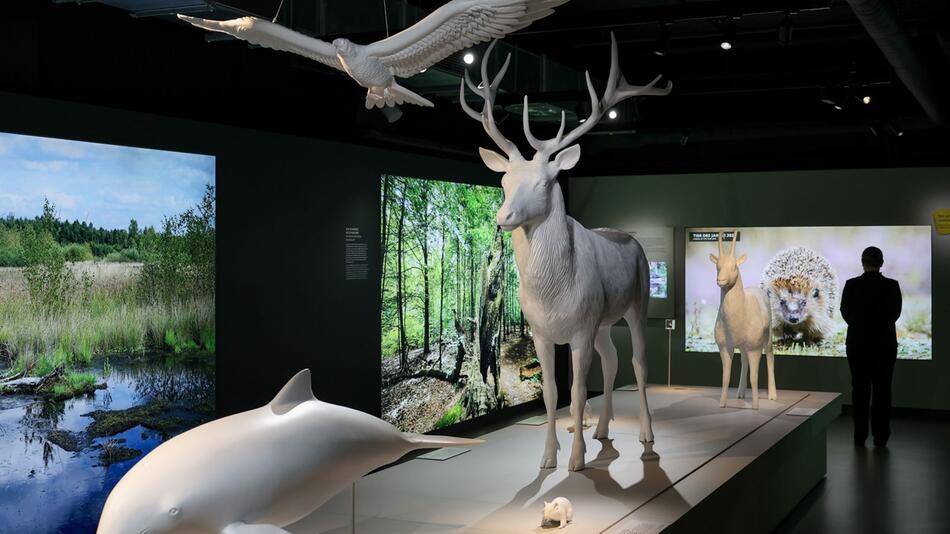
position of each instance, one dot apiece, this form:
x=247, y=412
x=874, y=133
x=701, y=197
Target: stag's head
x=529, y=183
x=727, y=265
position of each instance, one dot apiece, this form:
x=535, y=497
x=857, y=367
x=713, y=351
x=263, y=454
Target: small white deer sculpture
x=744, y=322
x=575, y=282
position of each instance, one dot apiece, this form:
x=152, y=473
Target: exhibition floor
x=497, y=487
x=868, y=490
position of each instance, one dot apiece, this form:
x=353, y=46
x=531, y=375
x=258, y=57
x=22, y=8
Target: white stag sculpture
x=575, y=282
x=744, y=322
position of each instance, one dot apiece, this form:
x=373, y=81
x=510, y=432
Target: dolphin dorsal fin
x=296, y=391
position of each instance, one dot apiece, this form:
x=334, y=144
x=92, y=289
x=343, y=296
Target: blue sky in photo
x=106, y=185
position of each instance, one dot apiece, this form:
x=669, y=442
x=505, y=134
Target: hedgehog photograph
x=803, y=291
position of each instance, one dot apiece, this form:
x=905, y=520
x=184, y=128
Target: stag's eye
x=782, y=302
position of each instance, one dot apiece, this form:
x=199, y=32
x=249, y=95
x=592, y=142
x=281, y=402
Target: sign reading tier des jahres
x=356, y=265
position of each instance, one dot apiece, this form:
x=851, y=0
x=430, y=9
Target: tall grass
x=106, y=321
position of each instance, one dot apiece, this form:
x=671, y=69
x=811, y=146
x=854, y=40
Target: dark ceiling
x=779, y=99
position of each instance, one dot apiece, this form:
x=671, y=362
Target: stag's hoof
x=548, y=462
x=646, y=436
x=570, y=429
x=755, y=404
x=602, y=431
x=773, y=396
x=740, y=395
x=576, y=464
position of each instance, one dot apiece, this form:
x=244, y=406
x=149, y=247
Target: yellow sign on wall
x=942, y=221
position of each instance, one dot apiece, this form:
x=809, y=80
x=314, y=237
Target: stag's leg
x=754, y=357
x=770, y=360
x=636, y=319
x=743, y=377
x=725, y=353
x=580, y=358
x=545, y=352
x=608, y=361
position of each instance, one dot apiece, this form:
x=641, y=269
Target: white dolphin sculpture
x=257, y=471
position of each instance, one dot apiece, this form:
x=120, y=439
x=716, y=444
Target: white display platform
x=498, y=488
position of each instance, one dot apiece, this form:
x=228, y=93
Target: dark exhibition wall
x=814, y=198
x=284, y=204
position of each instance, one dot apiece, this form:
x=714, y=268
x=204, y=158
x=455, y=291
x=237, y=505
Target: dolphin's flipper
x=244, y=528
x=424, y=441
x=296, y=391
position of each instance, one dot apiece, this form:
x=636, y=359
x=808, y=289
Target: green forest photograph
x=107, y=319
x=455, y=344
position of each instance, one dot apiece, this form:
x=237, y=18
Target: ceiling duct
x=883, y=25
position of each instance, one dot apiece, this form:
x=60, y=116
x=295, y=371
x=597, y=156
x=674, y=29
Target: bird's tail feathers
x=393, y=95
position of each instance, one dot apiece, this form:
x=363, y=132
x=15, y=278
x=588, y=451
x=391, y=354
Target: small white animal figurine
x=588, y=416
x=575, y=282
x=744, y=322
x=558, y=511
x=258, y=471
x=456, y=25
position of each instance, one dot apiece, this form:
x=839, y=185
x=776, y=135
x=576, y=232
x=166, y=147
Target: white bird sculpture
x=456, y=25
x=258, y=471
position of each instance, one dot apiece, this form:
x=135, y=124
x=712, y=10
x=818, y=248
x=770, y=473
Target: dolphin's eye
x=173, y=512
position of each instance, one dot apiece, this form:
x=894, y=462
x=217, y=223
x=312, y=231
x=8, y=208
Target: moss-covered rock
x=113, y=451
x=68, y=441
x=154, y=415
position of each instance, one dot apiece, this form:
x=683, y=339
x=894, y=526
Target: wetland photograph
x=107, y=319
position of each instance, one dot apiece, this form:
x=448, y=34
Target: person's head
x=872, y=259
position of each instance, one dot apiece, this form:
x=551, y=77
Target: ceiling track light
x=662, y=45
x=468, y=58
x=895, y=129
x=785, y=30
x=728, y=35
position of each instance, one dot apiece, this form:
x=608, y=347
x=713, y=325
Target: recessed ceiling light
x=866, y=99
x=612, y=114
x=423, y=70
x=583, y=120
x=468, y=58
x=725, y=45
x=837, y=107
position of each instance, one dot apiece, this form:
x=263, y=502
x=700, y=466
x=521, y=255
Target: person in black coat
x=871, y=304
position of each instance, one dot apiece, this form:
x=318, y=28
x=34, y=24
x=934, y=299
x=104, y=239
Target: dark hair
x=872, y=257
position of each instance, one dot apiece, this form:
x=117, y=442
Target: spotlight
x=468, y=58
x=582, y=121
x=423, y=70
x=837, y=107
x=663, y=41
x=612, y=114
x=785, y=30
x=728, y=36
x=895, y=129
x=866, y=99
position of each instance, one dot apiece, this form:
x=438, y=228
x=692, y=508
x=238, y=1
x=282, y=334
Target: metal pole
x=353, y=528
x=669, y=358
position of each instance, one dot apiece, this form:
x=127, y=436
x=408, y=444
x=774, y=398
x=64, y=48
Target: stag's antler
x=617, y=91
x=487, y=90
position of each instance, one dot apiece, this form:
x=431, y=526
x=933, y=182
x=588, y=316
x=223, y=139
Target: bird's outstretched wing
x=269, y=35
x=453, y=27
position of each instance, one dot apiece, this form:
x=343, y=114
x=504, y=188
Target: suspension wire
x=276, y=15
x=385, y=16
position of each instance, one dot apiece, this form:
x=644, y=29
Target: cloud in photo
x=106, y=185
